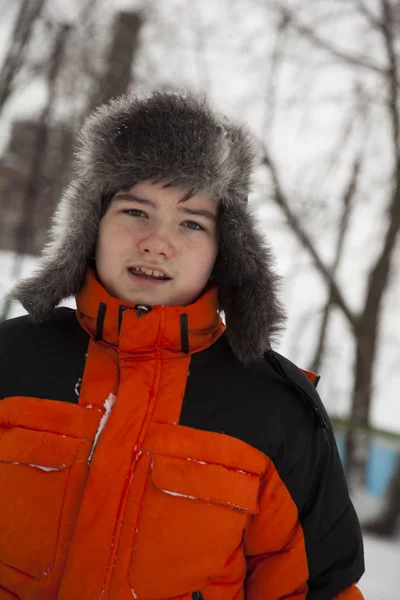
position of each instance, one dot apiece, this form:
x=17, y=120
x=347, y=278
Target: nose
x=157, y=243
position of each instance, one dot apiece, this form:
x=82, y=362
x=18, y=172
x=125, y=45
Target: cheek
x=100, y=247
x=114, y=238
x=107, y=249
x=203, y=259
x=211, y=254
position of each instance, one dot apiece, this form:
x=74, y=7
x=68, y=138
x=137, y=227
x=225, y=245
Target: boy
x=146, y=451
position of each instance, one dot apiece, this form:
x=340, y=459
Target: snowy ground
x=381, y=580
x=382, y=575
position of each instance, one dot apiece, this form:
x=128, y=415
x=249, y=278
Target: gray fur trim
x=248, y=285
x=177, y=139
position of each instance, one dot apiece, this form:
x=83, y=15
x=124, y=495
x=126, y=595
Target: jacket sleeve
x=305, y=542
x=350, y=593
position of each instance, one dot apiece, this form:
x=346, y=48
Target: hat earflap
x=247, y=284
x=61, y=271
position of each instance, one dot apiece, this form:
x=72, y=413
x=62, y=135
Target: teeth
x=149, y=272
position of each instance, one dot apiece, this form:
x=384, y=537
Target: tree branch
x=368, y=14
x=35, y=175
x=308, y=33
x=276, y=59
x=347, y=202
x=294, y=223
x=28, y=14
x=388, y=35
x=379, y=276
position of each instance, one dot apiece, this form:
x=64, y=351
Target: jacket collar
x=178, y=329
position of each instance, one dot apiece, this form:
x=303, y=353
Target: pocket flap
x=212, y=483
x=47, y=451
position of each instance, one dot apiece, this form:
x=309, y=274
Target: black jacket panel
x=43, y=361
x=275, y=408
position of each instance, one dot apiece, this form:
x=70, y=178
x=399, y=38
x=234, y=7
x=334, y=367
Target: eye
x=134, y=212
x=193, y=225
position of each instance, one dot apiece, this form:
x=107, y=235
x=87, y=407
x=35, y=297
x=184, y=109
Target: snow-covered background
x=219, y=46
x=381, y=578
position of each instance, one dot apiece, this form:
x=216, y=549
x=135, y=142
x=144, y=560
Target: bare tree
x=365, y=324
x=35, y=177
x=117, y=74
x=295, y=223
x=95, y=72
x=347, y=201
x=29, y=13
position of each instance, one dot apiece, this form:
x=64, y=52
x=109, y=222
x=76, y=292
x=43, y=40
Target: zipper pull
x=142, y=309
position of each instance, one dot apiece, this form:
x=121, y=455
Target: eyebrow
x=200, y=212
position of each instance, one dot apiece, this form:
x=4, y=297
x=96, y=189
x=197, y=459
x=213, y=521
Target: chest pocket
x=191, y=522
x=40, y=478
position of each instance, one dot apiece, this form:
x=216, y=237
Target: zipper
x=142, y=309
x=322, y=421
x=197, y=596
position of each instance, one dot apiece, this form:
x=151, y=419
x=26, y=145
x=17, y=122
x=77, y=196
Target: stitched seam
x=72, y=437
x=225, y=503
x=214, y=464
x=12, y=594
x=57, y=534
x=125, y=492
x=140, y=514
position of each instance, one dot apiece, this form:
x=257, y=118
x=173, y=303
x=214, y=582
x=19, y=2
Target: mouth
x=146, y=273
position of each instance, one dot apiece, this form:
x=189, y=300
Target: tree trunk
x=365, y=326
x=35, y=176
x=28, y=14
x=330, y=304
x=357, y=440
x=118, y=71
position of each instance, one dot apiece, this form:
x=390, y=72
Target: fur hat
x=174, y=138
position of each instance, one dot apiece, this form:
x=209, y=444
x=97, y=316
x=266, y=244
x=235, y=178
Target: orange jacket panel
x=112, y=499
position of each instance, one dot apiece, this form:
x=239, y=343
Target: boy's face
x=155, y=249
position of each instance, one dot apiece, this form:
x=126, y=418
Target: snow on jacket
x=140, y=459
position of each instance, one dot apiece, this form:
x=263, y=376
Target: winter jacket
x=140, y=459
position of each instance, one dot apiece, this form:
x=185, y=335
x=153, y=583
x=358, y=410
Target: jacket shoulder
x=271, y=404
x=302, y=382
x=262, y=404
x=39, y=360
x=25, y=323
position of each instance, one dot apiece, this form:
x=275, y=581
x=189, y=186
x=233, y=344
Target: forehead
x=159, y=194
